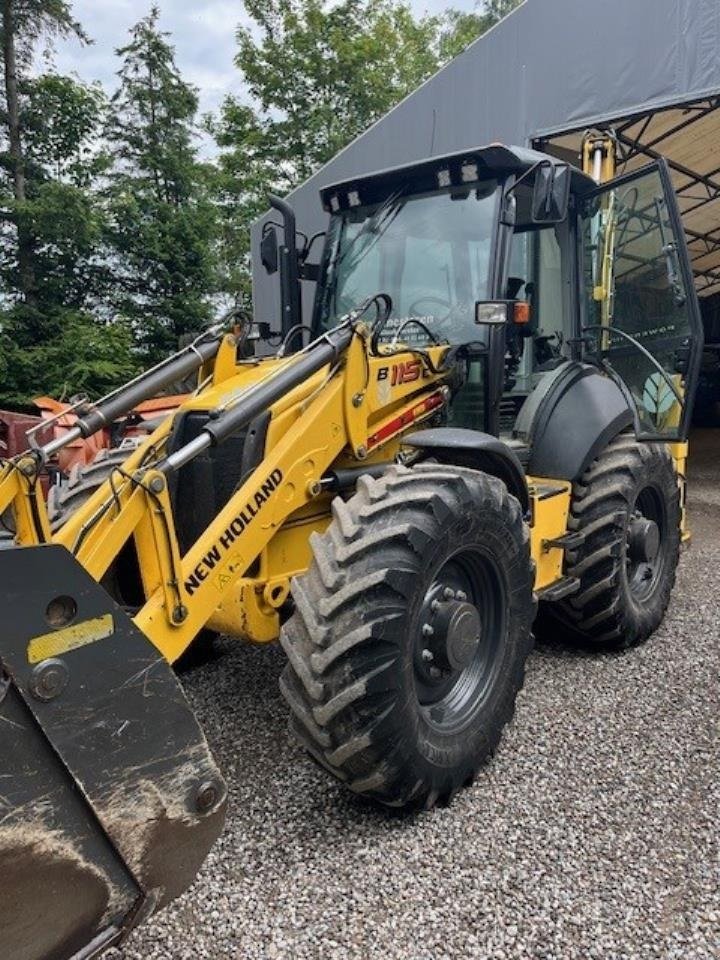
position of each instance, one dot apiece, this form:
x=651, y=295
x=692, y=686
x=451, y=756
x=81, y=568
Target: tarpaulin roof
x=552, y=68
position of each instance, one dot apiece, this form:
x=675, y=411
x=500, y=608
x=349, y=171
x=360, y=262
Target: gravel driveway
x=593, y=834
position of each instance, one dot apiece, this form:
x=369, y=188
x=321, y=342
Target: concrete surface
x=593, y=834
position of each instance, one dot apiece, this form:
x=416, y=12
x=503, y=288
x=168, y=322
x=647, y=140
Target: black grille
x=201, y=488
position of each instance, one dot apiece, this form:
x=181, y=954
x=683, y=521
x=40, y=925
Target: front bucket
x=109, y=797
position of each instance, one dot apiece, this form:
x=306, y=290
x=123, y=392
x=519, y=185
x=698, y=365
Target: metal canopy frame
x=551, y=68
x=674, y=132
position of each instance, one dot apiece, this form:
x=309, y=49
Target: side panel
x=550, y=506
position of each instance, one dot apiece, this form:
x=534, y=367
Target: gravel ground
x=593, y=834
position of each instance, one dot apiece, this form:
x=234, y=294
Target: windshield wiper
x=377, y=225
x=374, y=225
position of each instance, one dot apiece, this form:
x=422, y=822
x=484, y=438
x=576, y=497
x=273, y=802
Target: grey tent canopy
x=649, y=69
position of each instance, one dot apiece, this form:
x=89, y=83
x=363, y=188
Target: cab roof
x=423, y=175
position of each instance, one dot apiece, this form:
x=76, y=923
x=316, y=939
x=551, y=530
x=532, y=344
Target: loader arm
x=346, y=404
x=130, y=797
x=110, y=798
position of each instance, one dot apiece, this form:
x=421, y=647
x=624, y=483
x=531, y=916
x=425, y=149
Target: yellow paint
x=77, y=635
x=550, y=506
x=237, y=576
x=679, y=453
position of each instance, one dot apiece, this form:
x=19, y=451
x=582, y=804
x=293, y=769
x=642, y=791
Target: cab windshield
x=430, y=252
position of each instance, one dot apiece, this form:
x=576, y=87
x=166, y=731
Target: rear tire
x=623, y=594
x=401, y=713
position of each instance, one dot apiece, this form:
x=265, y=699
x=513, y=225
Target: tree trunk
x=26, y=245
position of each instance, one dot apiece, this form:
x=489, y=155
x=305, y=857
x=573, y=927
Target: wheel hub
x=643, y=540
x=452, y=633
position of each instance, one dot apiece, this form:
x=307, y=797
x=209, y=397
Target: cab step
x=568, y=541
x=559, y=590
x=544, y=491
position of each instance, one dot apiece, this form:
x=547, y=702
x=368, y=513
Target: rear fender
x=571, y=415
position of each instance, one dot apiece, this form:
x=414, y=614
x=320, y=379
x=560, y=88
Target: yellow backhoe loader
x=472, y=434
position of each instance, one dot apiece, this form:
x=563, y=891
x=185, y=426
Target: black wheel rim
x=454, y=670
x=647, y=523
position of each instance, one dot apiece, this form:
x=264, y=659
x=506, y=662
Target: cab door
x=640, y=315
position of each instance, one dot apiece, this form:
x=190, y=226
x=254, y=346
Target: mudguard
x=477, y=449
x=109, y=796
x=571, y=415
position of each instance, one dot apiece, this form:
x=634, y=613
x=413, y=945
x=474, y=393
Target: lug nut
x=461, y=595
x=435, y=672
x=427, y=655
x=435, y=606
x=427, y=630
x=449, y=593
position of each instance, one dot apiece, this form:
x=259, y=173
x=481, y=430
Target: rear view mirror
x=551, y=192
x=269, y=248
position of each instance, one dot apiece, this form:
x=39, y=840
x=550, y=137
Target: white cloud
x=203, y=36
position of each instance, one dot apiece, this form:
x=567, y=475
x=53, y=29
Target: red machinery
x=60, y=417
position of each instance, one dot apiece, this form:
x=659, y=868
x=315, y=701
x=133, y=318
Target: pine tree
x=23, y=22
x=51, y=270
x=162, y=220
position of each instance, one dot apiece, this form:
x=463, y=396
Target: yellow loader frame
x=345, y=415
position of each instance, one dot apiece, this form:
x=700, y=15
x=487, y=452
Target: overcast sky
x=203, y=33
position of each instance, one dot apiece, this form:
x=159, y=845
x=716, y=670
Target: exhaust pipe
x=289, y=272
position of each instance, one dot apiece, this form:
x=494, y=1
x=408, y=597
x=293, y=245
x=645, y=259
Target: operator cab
x=522, y=262
x=444, y=237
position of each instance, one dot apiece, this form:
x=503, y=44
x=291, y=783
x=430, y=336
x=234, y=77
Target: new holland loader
x=482, y=425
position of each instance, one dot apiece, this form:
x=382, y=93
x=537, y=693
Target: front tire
x=627, y=505
x=412, y=627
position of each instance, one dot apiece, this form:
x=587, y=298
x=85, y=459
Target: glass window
x=535, y=275
x=636, y=303
x=430, y=253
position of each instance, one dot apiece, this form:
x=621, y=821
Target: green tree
x=162, y=222
x=245, y=171
x=51, y=271
x=86, y=356
x=23, y=23
x=317, y=76
x=463, y=28
x=320, y=74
